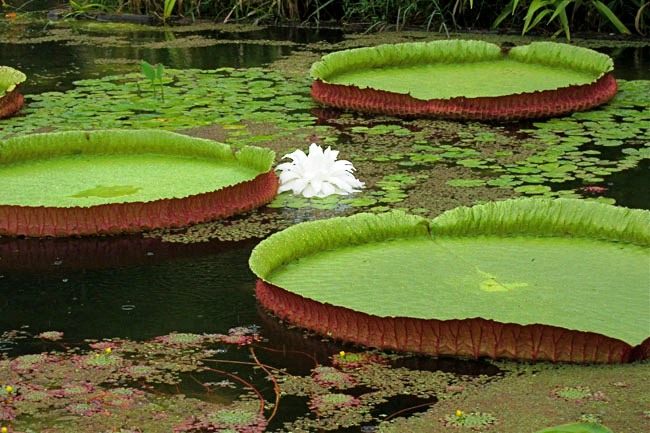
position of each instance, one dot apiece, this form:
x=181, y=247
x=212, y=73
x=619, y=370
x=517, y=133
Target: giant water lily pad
x=11, y=100
x=461, y=79
x=79, y=183
x=563, y=280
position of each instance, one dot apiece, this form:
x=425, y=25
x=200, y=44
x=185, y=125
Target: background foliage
x=546, y=16
x=549, y=17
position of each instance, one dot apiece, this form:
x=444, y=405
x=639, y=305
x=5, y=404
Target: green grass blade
x=532, y=10
x=565, y=25
x=508, y=10
x=168, y=7
x=613, y=19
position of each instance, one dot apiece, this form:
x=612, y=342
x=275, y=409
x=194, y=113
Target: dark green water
x=56, y=65
x=124, y=287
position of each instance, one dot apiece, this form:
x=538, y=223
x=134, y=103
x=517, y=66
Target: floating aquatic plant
x=182, y=339
x=11, y=100
x=245, y=97
x=355, y=360
x=577, y=393
x=473, y=420
x=226, y=420
x=162, y=387
x=332, y=401
x=140, y=180
x=317, y=174
x=544, y=79
x=51, y=335
x=120, y=382
x=339, y=277
x=155, y=76
x=331, y=377
x=582, y=427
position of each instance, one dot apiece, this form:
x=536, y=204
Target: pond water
x=142, y=287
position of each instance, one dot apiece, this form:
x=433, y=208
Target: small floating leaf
x=469, y=183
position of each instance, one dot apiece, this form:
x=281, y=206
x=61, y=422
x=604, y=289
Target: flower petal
x=317, y=174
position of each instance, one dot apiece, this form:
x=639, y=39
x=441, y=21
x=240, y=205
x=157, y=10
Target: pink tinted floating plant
x=593, y=189
x=238, y=419
x=104, y=346
x=330, y=376
x=329, y=402
x=181, y=339
x=30, y=362
x=50, y=335
x=85, y=409
x=351, y=361
x=241, y=335
x=75, y=389
x=317, y=174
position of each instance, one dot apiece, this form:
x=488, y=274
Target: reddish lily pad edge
x=134, y=217
x=475, y=337
x=527, y=105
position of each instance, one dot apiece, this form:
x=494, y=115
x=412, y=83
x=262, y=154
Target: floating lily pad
x=465, y=80
x=80, y=183
x=563, y=280
x=11, y=100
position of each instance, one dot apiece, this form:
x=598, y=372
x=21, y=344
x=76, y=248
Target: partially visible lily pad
x=9, y=79
x=10, y=98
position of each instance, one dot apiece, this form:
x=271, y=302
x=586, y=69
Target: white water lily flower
x=318, y=174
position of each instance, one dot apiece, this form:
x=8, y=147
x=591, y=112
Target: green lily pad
x=397, y=79
x=532, y=189
x=9, y=79
x=56, y=178
x=375, y=272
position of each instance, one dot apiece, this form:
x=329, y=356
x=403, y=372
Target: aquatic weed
x=329, y=402
x=331, y=377
x=473, y=420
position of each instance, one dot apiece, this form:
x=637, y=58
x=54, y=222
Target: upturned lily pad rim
x=134, y=141
x=256, y=186
x=9, y=79
x=405, y=55
x=36, y=147
x=418, y=80
x=563, y=219
x=525, y=216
